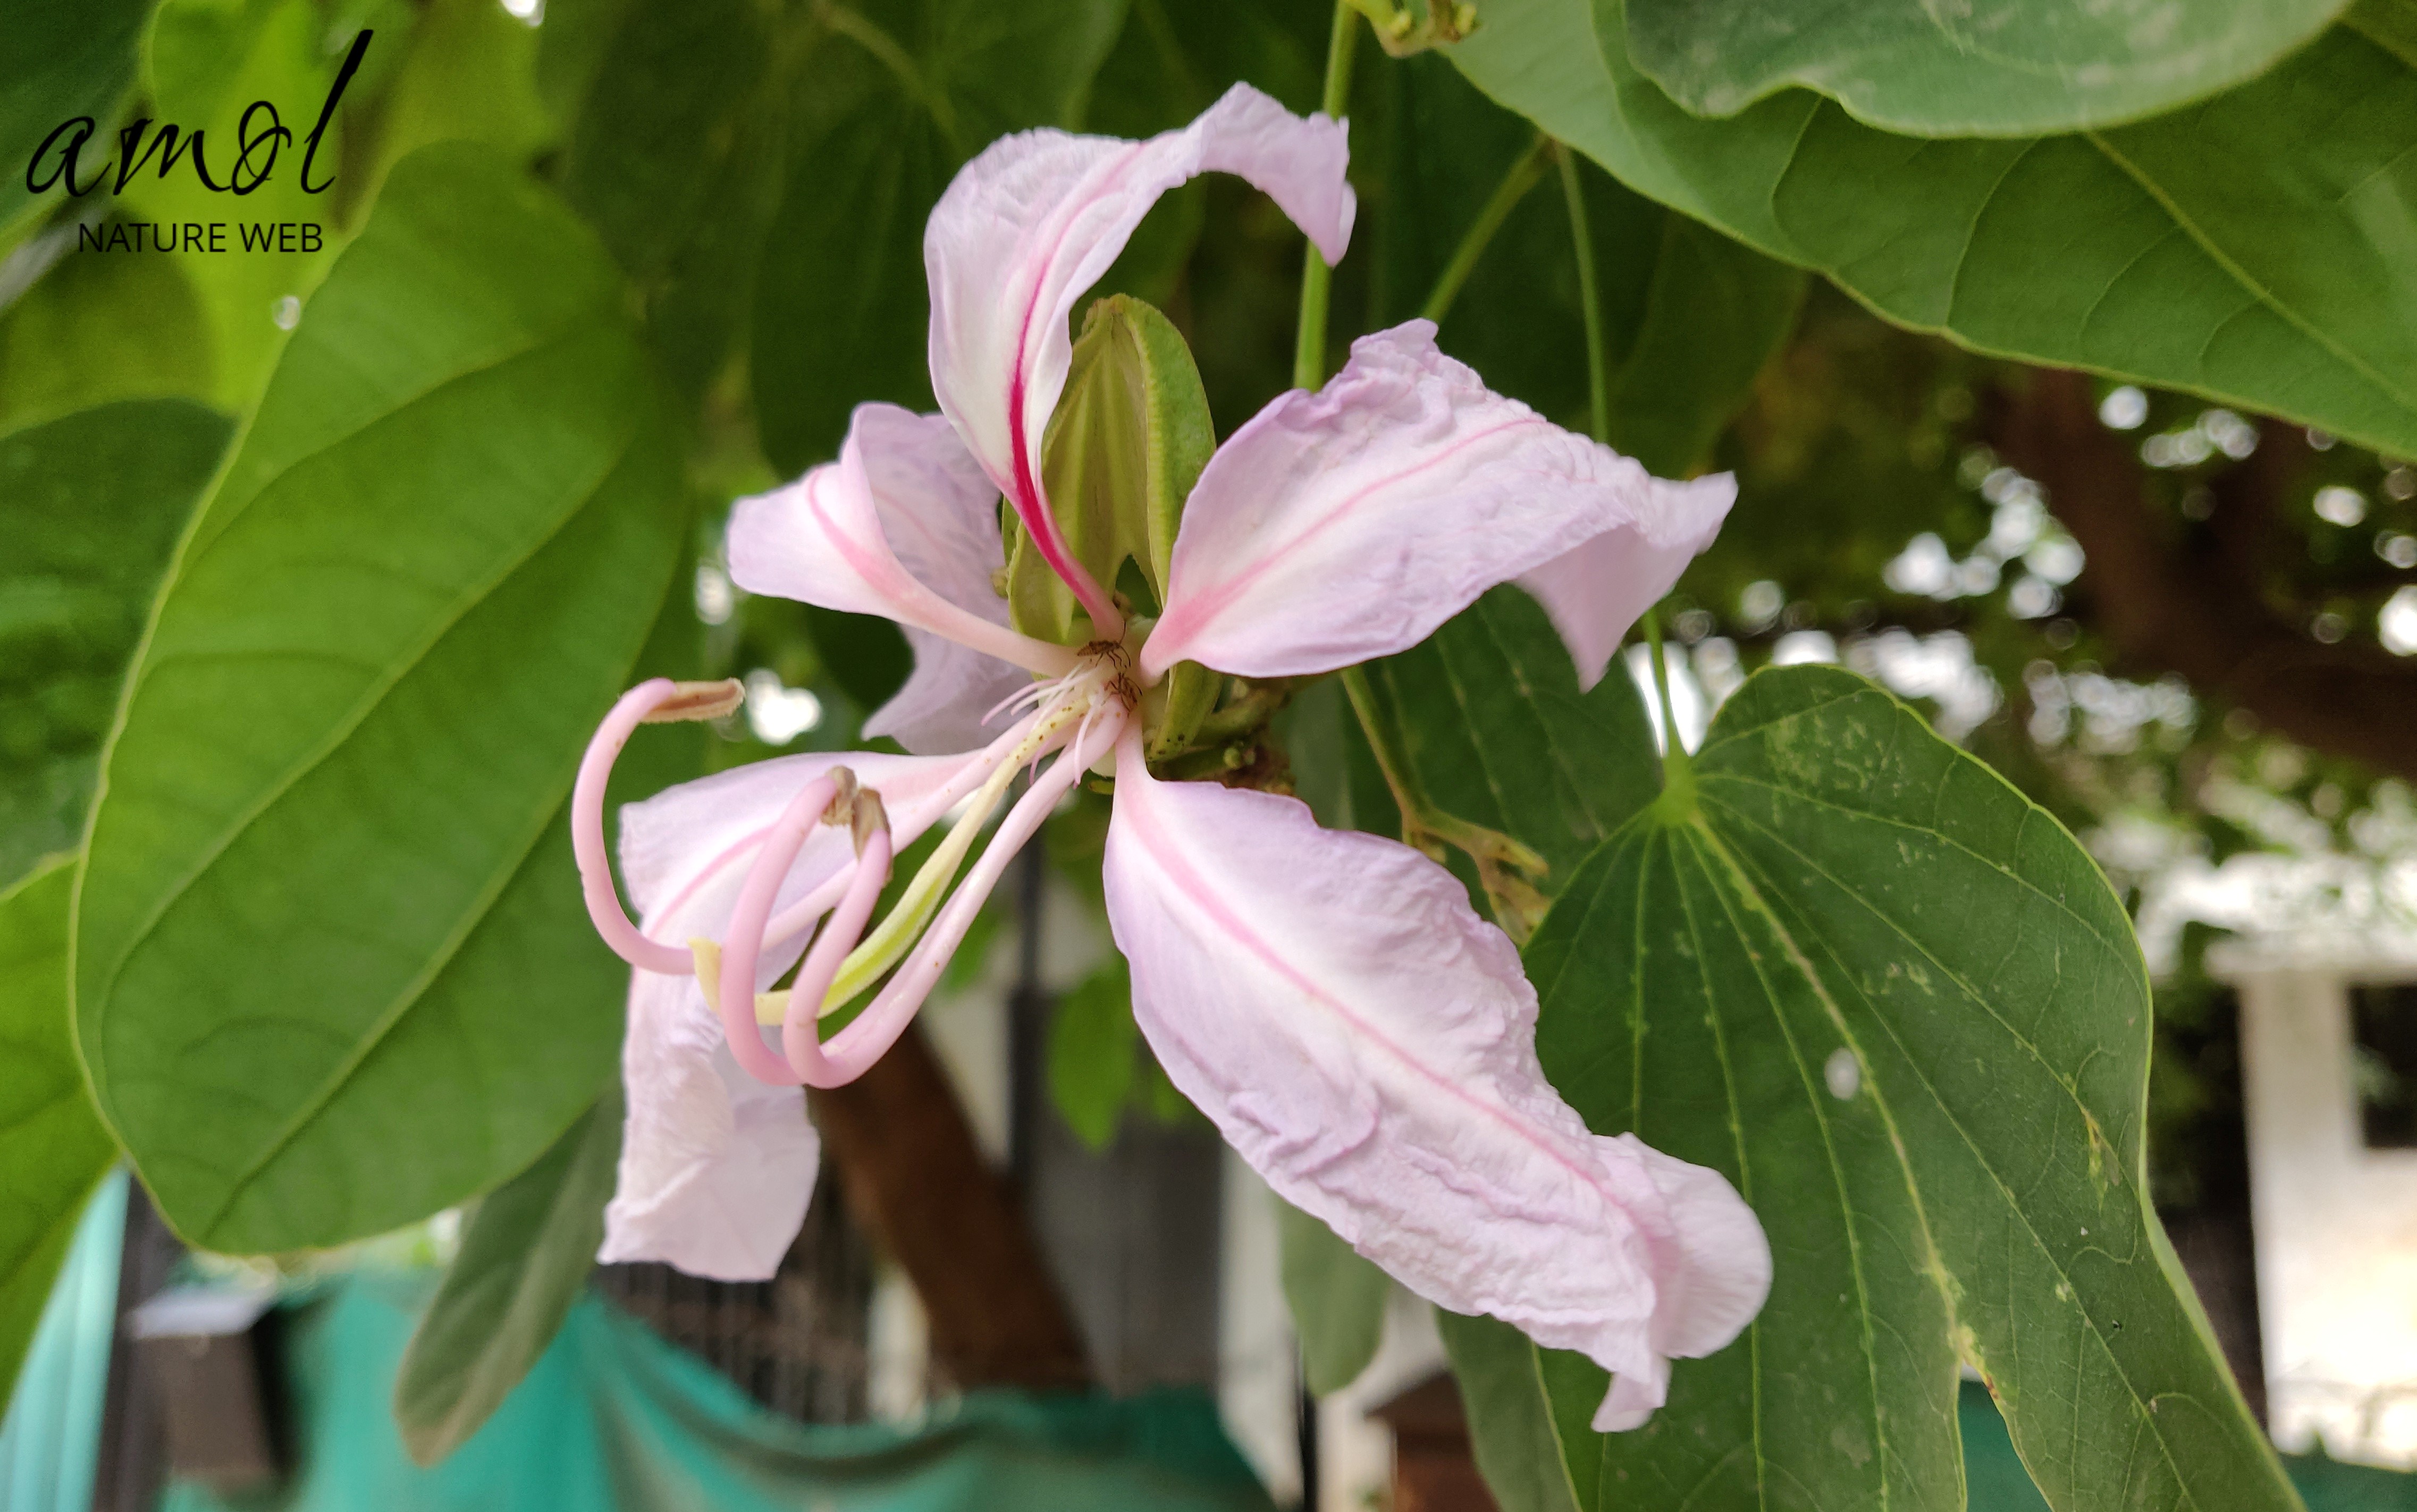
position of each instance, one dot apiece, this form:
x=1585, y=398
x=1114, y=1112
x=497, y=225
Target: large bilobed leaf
x=525, y=1258
x=890, y=97
x=52, y=1148
x=329, y=910
x=2255, y=247
x=62, y=61
x=2001, y=67
x=1689, y=316
x=1899, y=1006
x=90, y=505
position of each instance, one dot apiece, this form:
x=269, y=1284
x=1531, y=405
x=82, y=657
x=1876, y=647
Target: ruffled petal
x=905, y=526
x=1367, y=1043
x=717, y=1167
x=1035, y=220
x=1595, y=591
x=1351, y=522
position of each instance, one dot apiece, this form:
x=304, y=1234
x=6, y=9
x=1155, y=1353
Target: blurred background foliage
x=758, y=173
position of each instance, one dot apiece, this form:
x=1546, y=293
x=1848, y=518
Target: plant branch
x=1590, y=298
x=1316, y=278
x=2169, y=603
x=913, y=1176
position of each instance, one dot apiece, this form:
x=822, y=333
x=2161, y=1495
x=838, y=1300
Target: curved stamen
x=801, y=1028
x=658, y=700
x=886, y=945
x=801, y=915
x=848, y=1054
x=743, y=945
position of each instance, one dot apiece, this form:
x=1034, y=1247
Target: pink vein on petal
x=1177, y=870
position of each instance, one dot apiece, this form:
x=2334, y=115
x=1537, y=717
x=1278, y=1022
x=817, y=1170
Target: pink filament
x=587, y=833
x=800, y=1027
x=802, y=913
x=744, y=944
x=852, y=1051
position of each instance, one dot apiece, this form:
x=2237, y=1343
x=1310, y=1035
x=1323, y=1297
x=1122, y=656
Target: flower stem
x=1515, y=184
x=1677, y=777
x=1590, y=298
x=1504, y=866
x=1316, y=278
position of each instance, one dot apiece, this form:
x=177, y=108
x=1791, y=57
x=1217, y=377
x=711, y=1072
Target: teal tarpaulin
x=614, y=1418
x=50, y=1441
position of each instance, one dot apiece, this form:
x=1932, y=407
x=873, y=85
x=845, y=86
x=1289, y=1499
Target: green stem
x=1677, y=777
x=1590, y=298
x=1515, y=184
x=1503, y=863
x=1316, y=278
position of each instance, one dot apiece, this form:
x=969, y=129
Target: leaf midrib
x=1813, y=1085
x=416, y=987
x=375, y=690
x=2144, y=1417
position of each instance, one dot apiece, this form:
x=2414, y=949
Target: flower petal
x=1035, y=220
x=1351, y=522
x=1595, y=591
x=716, y=1167
x=1368, y=1044
x=904, y=525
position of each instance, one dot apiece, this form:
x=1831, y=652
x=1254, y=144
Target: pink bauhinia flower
x=1331, y=1000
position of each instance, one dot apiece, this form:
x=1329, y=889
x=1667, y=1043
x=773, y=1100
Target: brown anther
x=841, y=812
x=698, y=701
x=867, y=819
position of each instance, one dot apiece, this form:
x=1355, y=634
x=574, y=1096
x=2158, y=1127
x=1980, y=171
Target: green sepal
x=1127, y=441
x=1191, y=695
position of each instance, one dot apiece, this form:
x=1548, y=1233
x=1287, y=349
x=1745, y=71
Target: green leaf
x=1899, y=1007
x=1511, y=1427
x=2253, y=249
x=62, y=61
x=90, y=503
x=890, y=97
x=53, y=1149
x=1337, y=1296
x=1499, y=735
x=525, y=1258
x=2018, y=68
x=669, y=83
x=100, y=327
x=1689, y=316
x=1093, y=1045
x=1713, y=313
x=210, y=61
x=1129, y=439
x=2391, y=24
x=328, y=903
x=468, y=74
